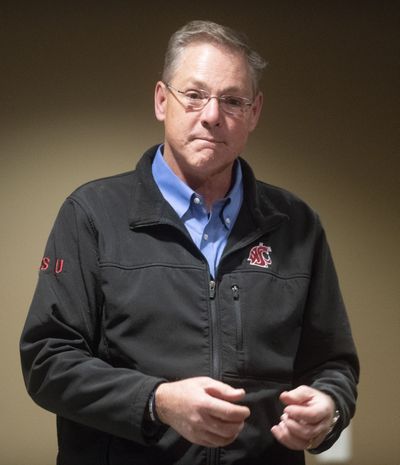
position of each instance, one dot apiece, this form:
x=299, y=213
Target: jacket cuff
x=152, y=428
x=331, y=437
x=337, y=426
x=151, y=432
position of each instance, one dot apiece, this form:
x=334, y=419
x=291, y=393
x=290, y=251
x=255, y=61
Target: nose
x=211, y=113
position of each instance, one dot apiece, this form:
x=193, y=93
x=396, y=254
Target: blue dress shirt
x=209, y=230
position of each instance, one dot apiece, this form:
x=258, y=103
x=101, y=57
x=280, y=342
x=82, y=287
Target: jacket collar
x=148, y=206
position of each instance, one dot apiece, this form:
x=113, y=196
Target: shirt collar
x=173, y=189
x=179, y=195
x=233, y=199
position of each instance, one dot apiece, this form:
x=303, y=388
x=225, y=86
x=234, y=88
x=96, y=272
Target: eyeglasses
x=197, y=99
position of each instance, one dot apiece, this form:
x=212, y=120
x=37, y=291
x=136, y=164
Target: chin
x=210, y=164
x=206, y=157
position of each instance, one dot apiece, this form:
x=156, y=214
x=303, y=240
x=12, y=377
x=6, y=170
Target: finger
x=225, y=392
x=215, y=433
x=222, y=428
x=298, y=396
x=320, y=409
x=285, y=437
x=210, y=432
x=227, y=412
x=307, y=414
x=302, y=430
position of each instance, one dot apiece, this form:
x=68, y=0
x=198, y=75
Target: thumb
x=225, y=392
x=300, y=395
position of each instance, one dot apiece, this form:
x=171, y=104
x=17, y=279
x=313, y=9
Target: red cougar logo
x=260, y=256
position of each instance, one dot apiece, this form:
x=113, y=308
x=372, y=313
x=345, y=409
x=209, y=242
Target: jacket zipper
x=215, y=360
x=213, y=453
x=213, y=456
x=238, y=316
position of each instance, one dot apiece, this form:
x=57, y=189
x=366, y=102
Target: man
x=185, y=312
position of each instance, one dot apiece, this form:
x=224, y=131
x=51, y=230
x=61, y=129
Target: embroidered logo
x=260, y=256
x=58, y=267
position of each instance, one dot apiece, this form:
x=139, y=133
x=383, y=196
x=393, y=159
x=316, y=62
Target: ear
x=255, y=111
x=160, y=100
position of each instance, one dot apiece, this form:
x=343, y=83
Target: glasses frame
x=246, y=103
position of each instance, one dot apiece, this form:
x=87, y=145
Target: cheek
x=177, y=122
x=239, y=135
x=176, y=131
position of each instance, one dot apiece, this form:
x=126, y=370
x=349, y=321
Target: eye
x=233, y=101
x=194, y=95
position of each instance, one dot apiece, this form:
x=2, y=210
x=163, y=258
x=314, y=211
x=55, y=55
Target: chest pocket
x=261, y=317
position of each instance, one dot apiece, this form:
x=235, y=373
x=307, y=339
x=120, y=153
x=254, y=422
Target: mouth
x=209, y=139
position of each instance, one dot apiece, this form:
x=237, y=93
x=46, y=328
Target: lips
x=208, y=139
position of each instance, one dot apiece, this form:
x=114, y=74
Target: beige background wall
x=76, y=86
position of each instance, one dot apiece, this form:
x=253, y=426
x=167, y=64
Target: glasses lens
x=195, y=99
x=233, y=105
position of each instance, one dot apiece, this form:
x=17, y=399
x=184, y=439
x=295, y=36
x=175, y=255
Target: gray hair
x=207, y=31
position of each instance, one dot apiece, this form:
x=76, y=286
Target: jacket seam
x=269, y=379
x=150, y=265
x=276, y=275
x=83, y=313
x=86, y=213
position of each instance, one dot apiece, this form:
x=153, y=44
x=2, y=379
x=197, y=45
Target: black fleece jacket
x=125, y=300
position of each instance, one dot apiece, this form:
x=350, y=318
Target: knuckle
x=314, y=417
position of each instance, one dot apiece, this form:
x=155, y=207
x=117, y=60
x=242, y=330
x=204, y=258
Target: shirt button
x=227, y=220
x=205, y=237
x=197, y=201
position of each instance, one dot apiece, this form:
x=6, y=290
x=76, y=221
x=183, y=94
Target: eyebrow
x=202, y=86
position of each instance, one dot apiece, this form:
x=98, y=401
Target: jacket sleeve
x=62, y=335
x=327, y=358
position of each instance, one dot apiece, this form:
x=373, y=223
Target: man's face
x=203, y=143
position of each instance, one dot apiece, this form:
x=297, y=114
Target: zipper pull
x=235, y=291
x=212, y=286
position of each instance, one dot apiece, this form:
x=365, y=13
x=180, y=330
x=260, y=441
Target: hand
x=202, y=410
x=307, y=418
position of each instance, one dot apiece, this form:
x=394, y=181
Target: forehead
x=217, y=67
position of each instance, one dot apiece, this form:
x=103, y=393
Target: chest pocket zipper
x=239, y=327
